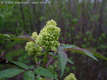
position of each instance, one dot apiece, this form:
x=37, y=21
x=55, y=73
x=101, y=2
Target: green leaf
x=12, y=37
x=23, y=37
x=29, y=75
x=13, y=53
x=22, y=65
x=68, y=46
x=80, y=51
x=62, y=59
x=4, y=36
x=8, y=73
x=88, y=53
x=44, y=72
x=70, y=61
x=98, y=55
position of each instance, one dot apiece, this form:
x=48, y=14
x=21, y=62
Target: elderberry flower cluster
x=71, y=76
x=47, y=39
x=32, y=48
x=34, y=35
x=49, y=35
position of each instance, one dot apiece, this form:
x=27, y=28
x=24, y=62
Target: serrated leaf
x=8, y=73
x=19, y=64
x=29, y=75
x=44, y=72
x=62, y=60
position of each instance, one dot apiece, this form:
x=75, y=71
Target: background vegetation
x=83, y=23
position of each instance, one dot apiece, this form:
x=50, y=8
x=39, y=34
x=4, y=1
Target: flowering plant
x=49, y=56
x=47, y=41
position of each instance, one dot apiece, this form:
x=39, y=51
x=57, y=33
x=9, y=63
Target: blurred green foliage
x=80, y=24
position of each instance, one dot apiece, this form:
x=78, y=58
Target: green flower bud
x=33, y=48
x=49, y=35
x=51, y=22
x=34, y=35
x=71, y=76
x=42, y=79
x=30, y=47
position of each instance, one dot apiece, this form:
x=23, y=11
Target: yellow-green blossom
x=43, y=79
x=49, y=35
x=71, y=76
x=34, y=35
x=47, y=39
x=51, y=22
x=32, y=48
